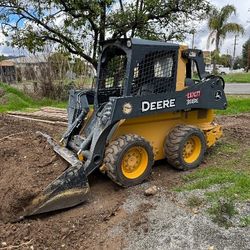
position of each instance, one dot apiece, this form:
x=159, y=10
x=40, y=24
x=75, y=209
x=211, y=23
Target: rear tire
x=129, y=160
x=185, y=147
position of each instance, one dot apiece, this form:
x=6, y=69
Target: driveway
x=237, y=88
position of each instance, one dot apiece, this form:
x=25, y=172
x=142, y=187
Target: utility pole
x=248, y=57
x=248, y=51
x=193, y=33
x=235, y=43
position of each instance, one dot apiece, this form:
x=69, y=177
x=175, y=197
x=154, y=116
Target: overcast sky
x=242, y=17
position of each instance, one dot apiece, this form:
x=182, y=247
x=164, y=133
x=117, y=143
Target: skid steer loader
x=146, y=107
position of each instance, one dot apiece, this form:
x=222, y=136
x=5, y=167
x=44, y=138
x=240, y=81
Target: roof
x=6, y=63
x=137, y=41
x=140, y=42
x=31, y=59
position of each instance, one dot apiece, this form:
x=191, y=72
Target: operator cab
x=132, y=67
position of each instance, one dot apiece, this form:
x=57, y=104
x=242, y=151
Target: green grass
x=237, y=77
x=225, y=147
x=229, y=155
x=236, y=105
x=15, y=99
x=235, y=184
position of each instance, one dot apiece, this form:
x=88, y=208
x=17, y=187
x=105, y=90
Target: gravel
x=172, y=225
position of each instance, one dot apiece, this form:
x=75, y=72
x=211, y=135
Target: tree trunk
x=217, y=42
x=95, y=46
x=103, y=21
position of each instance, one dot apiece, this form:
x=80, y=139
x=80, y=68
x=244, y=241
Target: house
x=7, y=71
x=21, y=68
x=36, y=67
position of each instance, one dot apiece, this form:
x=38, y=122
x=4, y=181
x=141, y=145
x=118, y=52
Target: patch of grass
x=236, y=105
x=225, y=147
x=241, y=162
x=194, y=201
x=235, y=185
x=229, y=155
x=223, y=187
x=17, y=100
x=237, y=77
x=245, y=221
x=222, y=211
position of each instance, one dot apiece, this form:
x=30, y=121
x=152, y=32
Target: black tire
x=114, y=156
x=175, y=145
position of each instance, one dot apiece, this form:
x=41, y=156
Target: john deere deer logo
x=127, y=108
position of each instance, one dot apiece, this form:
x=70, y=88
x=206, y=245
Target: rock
x=211, y=248
x=195, y=211
x=151, y=191
x=4, y=244
x=64, y=230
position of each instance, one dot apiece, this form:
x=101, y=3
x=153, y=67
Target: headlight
x=129, y=43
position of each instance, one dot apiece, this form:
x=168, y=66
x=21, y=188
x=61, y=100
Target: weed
x=194, y=201
x=222, y=211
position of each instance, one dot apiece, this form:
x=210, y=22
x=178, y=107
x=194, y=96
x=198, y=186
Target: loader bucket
x=67, y=190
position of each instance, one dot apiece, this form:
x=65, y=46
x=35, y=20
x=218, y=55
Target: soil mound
x=28, y=165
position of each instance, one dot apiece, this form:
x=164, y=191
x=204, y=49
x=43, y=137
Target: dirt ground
x=112, y=218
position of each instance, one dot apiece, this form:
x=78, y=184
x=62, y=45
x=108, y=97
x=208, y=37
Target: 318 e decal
x=193, y=97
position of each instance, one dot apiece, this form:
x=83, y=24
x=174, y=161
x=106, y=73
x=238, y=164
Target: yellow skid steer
x=146, y=107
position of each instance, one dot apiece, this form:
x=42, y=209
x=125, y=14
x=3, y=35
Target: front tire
x=129, y=160
x=185, y=147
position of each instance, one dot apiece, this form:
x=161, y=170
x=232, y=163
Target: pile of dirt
x=236, y=127
x=28, y=166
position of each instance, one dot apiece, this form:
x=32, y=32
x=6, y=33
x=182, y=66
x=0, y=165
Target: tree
x=225, y=60
x=81, y=25
x=246, y=54
x=60, y=64
x=219, y=26
x=2, y=57
x=238, y=63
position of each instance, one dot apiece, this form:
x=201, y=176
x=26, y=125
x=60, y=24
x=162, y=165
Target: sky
x=242, y=16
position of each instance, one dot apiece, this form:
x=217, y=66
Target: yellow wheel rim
x=134, y=162
x=192, y=149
